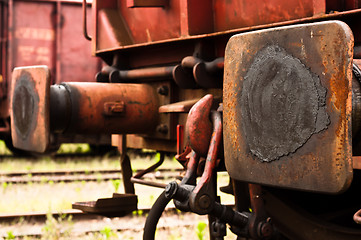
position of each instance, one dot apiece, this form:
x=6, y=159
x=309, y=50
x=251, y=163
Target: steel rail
x=76, y=215
x=74, y=172
x=24, y=179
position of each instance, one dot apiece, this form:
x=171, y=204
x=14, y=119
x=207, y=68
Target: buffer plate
x=287, y=107
x=29, y=112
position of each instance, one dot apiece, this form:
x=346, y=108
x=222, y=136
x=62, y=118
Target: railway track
x=24, y=177
x=134, y=222
x=76, y=215
x=62, y=156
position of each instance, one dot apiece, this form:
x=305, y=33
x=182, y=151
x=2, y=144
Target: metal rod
x=85, y=31
x=137, y=178
x=148, y=183
x=151, y=168
x=58, y=42
x=141, y=74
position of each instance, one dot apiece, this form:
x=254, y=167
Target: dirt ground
x=185, y=226
x=50, y=197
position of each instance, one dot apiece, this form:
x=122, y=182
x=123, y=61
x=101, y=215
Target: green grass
x=201, y=227
x=48, y=163
x=59, y=196
x=64, y=148
x=85, y=164
x=3, y=149
x=67, y=148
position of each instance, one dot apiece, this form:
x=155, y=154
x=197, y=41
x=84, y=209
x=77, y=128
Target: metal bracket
x=147, y=3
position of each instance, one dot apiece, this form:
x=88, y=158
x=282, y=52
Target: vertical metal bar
x=180, y=138
x=5, y=78
x=95, y=6
x=213, y=219
x=184, y=17
x=85, y=25
x=211, y=160
x=258, y=210
x=241, y=192
x=2, y=44
x=58, y=26
x=319, y=7
x=255, y=193
x=190, y=176
x=4, y=26
x=10, y=54
x=126, y=166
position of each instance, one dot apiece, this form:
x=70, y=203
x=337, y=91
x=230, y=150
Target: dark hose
x=154, y=215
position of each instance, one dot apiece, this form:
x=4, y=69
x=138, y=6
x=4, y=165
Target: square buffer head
x=287, y=107
x=29, y=108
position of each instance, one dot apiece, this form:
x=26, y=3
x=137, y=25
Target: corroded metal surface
x=235, y=14
x=84, y=108
x=116, y=206
x=287, y=107
x=187, y=18
x=203, y=195
x=29, y=101
x=90, y=113
x=199, y=126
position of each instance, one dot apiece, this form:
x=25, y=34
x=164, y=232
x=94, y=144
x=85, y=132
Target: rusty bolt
x=265, y=229
x=163, y=90
x=162, y=128
x=204, y=201
x=171, y=190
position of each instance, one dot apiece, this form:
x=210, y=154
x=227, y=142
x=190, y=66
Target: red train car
x=268, y=91
x=43, y=33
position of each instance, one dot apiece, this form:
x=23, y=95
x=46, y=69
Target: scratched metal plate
x=287, y=107
x=29, y=108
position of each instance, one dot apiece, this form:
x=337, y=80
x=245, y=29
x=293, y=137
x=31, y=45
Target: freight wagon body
x=268, y=91
x=44, y=33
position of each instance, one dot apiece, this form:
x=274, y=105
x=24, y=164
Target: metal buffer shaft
x=38, y=109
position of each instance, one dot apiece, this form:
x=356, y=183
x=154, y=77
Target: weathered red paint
x=199, y=126
x=203, y=195
x=184, y=18
x=212, y=155
x=43, y=32
x=53, y=38
x=237, y=14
